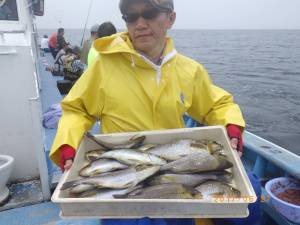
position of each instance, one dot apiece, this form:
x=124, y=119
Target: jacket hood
x=121, y=43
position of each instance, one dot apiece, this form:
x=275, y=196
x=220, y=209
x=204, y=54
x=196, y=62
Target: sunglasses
x=147, y=15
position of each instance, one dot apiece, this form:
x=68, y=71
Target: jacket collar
x=120, y=43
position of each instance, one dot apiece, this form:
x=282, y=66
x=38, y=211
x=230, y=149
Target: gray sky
x=191, y=14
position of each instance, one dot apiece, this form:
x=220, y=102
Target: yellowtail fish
x=197, y=162
x=180, y=148
x=133, y=142
x=191, y=180
x=101, y=166
x=120, y=179
x=215, y=189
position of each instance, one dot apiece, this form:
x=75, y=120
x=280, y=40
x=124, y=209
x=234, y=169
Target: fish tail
x=69, y=184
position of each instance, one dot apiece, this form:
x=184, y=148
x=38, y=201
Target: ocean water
x=261, y=68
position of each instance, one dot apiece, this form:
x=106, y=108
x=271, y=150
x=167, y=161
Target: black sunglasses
x=147, y=15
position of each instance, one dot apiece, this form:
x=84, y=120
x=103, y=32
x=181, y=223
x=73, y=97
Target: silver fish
x=211, y=189
x=116, y=180
x=191, y=180
x=101, y=166
x=134, y=142
x=178, y=149
x=164, y=191
x=197, y=162
x=132, y=157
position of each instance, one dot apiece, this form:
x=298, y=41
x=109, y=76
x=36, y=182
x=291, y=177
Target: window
x=8, y=10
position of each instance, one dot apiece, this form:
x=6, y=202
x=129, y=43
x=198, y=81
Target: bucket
x=280, y=185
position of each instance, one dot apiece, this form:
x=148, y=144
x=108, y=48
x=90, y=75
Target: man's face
x=146, y=34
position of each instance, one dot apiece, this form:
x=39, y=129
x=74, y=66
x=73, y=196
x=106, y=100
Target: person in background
x=88, y=43
x=73, y=67
x=52, y=44
x=61, y=42
x=140, y=82
x=58, y=69
x=45, y=44
x=104, y=30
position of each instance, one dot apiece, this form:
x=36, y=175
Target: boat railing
x=269, y=153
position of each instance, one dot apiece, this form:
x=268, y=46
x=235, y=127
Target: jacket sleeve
x=212, y=105
x=80, y=109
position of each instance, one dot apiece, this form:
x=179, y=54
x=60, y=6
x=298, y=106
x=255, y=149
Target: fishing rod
x=87, y=18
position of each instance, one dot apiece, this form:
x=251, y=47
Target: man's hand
x=66, y=157
x=234, y=144
x=68, y=164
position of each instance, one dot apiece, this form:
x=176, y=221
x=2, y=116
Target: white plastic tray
x=159, y=208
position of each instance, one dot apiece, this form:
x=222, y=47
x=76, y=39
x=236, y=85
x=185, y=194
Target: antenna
x=87, y=18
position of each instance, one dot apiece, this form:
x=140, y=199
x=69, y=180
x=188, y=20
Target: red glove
x=66, y=152
x=235, y=131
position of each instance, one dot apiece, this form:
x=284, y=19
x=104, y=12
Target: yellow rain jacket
x=128, y=93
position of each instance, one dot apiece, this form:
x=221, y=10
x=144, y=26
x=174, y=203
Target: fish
x=134, y=142
x=213, y=189
x=81, y=188
x=133, y=157
x=101, y=166
x=197, y=162
x=191, y=180
x=93, y=155
x=106, y=193
x=120, y=179
x=180, y=148
x=163, y=191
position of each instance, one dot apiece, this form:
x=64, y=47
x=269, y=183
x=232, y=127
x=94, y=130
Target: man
x=61, y=42
x=104, y=30
x=140, y=82
x=88, y=43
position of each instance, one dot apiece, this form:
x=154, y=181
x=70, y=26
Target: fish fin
x=137, y=140
x=69, y=184
x=91, y=158
x=145, y=148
